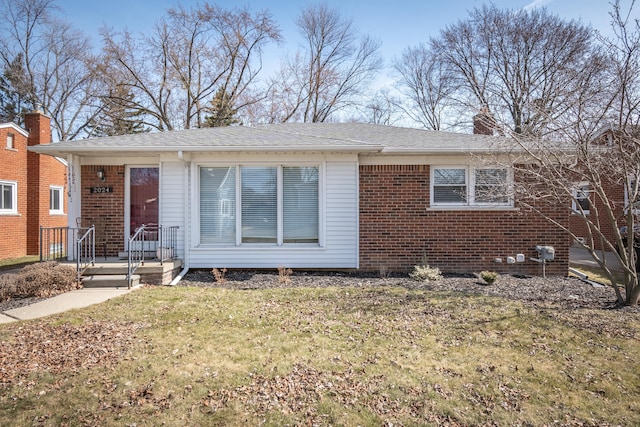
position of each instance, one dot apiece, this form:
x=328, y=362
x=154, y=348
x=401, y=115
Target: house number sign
x=100, y=190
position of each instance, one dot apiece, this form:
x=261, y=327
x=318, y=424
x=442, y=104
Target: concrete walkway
x=59, y=304
x=581, y=256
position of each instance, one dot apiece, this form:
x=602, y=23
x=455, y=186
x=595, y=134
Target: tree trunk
x=633, y=295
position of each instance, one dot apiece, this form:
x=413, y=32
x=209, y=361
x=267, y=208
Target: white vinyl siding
x=173, y=207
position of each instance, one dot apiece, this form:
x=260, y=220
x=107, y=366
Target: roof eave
x=52, y=150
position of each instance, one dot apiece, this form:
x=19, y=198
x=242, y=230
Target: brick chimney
x=39, y=127
x=483, y=122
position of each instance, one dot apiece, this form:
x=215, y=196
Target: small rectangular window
x=581, y=203
x=450, y=186
x=8, y=197
x=10, y=143
x=491, y=186
x=469, y=186
x=56, y=204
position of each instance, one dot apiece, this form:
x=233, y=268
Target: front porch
x=155, y=264
x=113, y=271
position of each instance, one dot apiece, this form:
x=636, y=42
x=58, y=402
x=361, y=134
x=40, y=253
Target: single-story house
x=314, y=196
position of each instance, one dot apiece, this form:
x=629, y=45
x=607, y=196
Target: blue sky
x=398, y=24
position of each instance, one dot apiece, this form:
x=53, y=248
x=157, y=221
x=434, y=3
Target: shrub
x=39, y=280
x=284, y=275
x=424, y=273
x=489, y=276
x=7, y=286
x=219, y=275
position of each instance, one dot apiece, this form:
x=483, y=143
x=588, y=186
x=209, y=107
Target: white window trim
x=60, y=190
x=11, y=141
x=574, y=198
x=470, y=178
x=280, y=217
x=635, y=211
x=14, y=199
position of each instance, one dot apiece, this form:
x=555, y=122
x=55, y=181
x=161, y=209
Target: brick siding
x=14, y=168
x=397, y=229
x=578, y=226
x=106, y=208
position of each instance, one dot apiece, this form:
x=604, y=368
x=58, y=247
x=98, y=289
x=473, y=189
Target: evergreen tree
x=118, y=115
x=15, y=98
x=222, y=111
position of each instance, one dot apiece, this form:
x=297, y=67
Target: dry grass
x=335, y=356
x=19, y=262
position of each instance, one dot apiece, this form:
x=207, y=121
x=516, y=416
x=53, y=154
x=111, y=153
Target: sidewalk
x=59, y=304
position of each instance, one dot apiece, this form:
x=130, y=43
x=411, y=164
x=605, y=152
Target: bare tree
x=329, y=73
x=519, y=64
x=427, y=86
x=381, y=109
x=54, y=60
x=193, y=54
x=592, y=171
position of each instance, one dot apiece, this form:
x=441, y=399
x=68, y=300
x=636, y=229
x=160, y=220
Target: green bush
x=424, y=273
x=489, y=276
x=39, y=280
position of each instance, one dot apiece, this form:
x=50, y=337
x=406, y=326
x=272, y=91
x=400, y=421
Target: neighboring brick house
x=314, y=195
x=586, y=202
x=33, y=187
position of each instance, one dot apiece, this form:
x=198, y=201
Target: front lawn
x=365, y=355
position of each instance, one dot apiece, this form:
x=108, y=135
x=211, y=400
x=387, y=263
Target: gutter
x=187, y=231
x=180, y=275
x=585, y=278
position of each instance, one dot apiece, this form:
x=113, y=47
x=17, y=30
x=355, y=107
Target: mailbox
x=546, y=253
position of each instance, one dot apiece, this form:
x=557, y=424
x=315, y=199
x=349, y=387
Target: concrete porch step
x=148, y=255
x=110, y=281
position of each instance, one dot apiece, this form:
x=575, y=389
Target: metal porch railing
x=167, y=238
x=54, y=242
x=54, y=245
x=85, y=249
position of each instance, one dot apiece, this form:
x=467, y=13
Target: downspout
x=187, y=221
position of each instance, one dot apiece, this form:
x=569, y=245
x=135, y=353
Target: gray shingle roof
x=331, y=137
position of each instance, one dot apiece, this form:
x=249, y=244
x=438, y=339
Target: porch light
x=101, y=175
